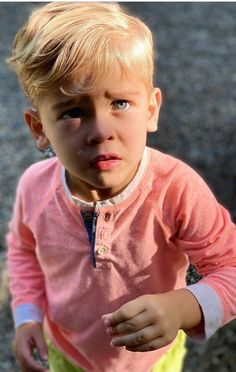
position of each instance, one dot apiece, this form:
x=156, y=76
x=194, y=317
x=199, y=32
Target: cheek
x=65, y=147
x=137, y=132
x=135, y=143
x=65, y=137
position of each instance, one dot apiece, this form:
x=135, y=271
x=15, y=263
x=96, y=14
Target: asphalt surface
x=197, y=75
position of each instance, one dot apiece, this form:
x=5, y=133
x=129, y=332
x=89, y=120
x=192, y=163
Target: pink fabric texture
x=171, y=219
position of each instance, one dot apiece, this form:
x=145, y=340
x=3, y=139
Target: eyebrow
x=64, y=104
x=120, y=94
x=75, y=101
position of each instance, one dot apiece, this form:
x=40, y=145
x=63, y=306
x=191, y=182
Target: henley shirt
x=144, y=240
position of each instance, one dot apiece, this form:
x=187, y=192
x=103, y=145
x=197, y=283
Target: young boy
x=102, y=234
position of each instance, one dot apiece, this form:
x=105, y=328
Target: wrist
x=188, y=310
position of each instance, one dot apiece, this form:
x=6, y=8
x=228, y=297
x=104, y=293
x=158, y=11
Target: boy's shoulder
x=167, y=164
x=177, y=186
x=173, y=173
x=43, y=174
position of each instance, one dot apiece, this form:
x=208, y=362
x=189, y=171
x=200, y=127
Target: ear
x=154, y=109
x=36, y=127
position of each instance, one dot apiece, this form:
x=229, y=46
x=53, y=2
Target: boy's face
x=99, y=136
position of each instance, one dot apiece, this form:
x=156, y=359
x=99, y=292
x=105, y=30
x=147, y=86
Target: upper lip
x=104, y=157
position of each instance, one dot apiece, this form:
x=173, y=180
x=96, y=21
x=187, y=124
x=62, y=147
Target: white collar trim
x=116, y=199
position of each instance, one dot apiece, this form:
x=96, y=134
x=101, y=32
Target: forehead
x=113, y=77
x=112, y=86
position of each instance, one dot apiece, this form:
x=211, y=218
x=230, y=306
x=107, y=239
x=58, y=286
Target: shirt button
x=107, y=216
x=102, y=250
x=88, y=216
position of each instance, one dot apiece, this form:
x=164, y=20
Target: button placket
x=103, y=236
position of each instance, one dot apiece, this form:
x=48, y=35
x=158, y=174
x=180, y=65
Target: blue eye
x=73, y=114
x=121, y=105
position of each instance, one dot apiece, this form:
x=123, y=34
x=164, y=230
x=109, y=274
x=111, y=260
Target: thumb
x=107, y=319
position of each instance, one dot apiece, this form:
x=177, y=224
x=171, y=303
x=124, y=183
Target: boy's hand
x=28, y=337
x=153, y=321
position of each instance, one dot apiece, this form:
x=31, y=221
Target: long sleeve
x=26, y=279
x=208, y=237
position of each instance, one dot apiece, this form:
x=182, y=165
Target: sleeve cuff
x=27, y=313
x=211, y=307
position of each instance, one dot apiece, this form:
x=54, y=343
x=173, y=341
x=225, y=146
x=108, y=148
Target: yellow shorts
x=172, y=361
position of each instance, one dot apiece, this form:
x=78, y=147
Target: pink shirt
x=145, y=239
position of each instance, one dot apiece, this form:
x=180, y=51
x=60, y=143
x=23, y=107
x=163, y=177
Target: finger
x=28, y=362
x=30, y=365
x=43, y=362
x=41, y=346
x=141, y=337
x=125, y=312
x=132, y=325
x=107, y=319
x=155, y=344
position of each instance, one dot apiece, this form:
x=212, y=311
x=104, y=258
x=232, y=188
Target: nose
x=100, y=130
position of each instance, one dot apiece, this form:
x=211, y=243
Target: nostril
x=99, y=138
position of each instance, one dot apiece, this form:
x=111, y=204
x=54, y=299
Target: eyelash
x=80, y=113
x=121, y=101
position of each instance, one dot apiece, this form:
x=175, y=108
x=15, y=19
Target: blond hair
x=70, y=46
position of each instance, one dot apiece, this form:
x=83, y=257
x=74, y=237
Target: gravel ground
x=197, y=75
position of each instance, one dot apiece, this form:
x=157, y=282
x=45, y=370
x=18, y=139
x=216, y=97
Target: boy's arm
x=204, y=231
x=207, y=235
x=26, y=279
x=26, y=282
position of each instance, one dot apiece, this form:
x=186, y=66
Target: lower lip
x=105, y=164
